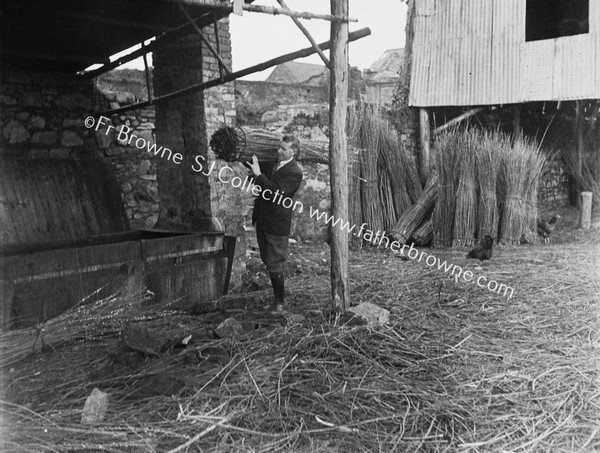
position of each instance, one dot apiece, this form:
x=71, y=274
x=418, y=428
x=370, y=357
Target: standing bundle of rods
x=487, y=162
x=466, y=195
x=447, y=158
x=478, y=172
x=388, y=180
x=521, y=167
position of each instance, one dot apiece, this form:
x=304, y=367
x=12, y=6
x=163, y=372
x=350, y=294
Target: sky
x=257, y=37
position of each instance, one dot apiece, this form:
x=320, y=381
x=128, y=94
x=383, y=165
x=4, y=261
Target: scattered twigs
x=84, y=321
x=458, y=368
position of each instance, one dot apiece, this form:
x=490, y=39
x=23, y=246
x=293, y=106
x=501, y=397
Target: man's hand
x=254, y=166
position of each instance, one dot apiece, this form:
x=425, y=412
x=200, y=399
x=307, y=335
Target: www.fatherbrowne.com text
x=227, y=175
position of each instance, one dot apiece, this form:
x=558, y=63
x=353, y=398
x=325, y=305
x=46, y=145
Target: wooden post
x=585, y=218
x=425, y=128
x=148, y=77
x=516, y=121
x=579, y=124
x=338, y=157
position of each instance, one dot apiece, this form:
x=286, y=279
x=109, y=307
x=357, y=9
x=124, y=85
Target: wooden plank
x=68, y=261
x=39, y=182
x=458, y=119
x=58, y=198
x=87, y=202
x=338, y=158
x=9, y=233
x=20, y=208
x=425, y=136
x=52, y=211
x=30, y=171
x=69, y=176
x=105, y=195
x=585, y=216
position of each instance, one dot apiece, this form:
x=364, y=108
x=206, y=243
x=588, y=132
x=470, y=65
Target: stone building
x=50, y=117
x=382, y=77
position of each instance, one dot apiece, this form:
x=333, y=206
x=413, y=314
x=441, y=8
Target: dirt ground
x=458, y=368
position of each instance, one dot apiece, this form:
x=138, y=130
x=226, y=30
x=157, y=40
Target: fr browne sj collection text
x=127, y=137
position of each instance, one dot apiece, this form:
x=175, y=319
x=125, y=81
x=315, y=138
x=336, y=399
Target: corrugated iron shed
x=474, y=52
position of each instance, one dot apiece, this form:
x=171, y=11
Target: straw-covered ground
x=458, y=368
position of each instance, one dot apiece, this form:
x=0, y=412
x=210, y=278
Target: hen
x=545, y=229
x=483, y=251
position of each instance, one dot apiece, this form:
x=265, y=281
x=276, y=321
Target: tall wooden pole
x=516, y=121
x=579, y=125
x=338, y=157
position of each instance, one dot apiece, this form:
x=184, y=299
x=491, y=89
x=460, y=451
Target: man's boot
x=277, y=281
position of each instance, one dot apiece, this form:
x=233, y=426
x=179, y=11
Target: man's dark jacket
x=271, y=216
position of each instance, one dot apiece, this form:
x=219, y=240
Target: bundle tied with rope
x=521, y=167
x=239, y=144
x=487, y=162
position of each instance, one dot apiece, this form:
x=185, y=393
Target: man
x=271, y=219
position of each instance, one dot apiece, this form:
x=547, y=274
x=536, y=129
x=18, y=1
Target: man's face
x=285, y=151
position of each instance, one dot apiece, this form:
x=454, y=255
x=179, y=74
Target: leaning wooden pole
x=338, y=158
x=425, y=135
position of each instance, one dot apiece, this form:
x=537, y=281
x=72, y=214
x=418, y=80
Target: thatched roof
x=386, y=68
x=294, y=73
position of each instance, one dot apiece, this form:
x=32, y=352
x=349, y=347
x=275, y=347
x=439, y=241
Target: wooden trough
x=65, y=236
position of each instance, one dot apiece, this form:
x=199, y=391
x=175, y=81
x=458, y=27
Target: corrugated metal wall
x=473, y=52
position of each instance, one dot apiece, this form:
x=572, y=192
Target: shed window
x=547, y=19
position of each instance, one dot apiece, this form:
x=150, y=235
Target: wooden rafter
x=307, y=34
x=273, y=10
x=236, y=75
x=49, y=56
x=458, y=119
x=218, y=41
x=82, y=16
x=160, y=41
x=148, y=79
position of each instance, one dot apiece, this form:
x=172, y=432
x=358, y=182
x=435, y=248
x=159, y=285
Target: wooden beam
x=205, y=40
x=580, y=139
x=275, y=11
x=95, y=18
x=236, y=75
x=585, y=215
x=160, y=41
x=218, y=41
x=425, y=140
x=516, y=121
x=307, y=34
x=458, y=119
x=77, y=59
x=148, y=78
x=338, y=154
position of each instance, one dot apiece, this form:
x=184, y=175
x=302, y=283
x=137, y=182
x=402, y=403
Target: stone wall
x=254, y=98
x=134, y=167
x=41, y=114
x=554, y=187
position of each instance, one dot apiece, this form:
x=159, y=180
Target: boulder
x=372, y=313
